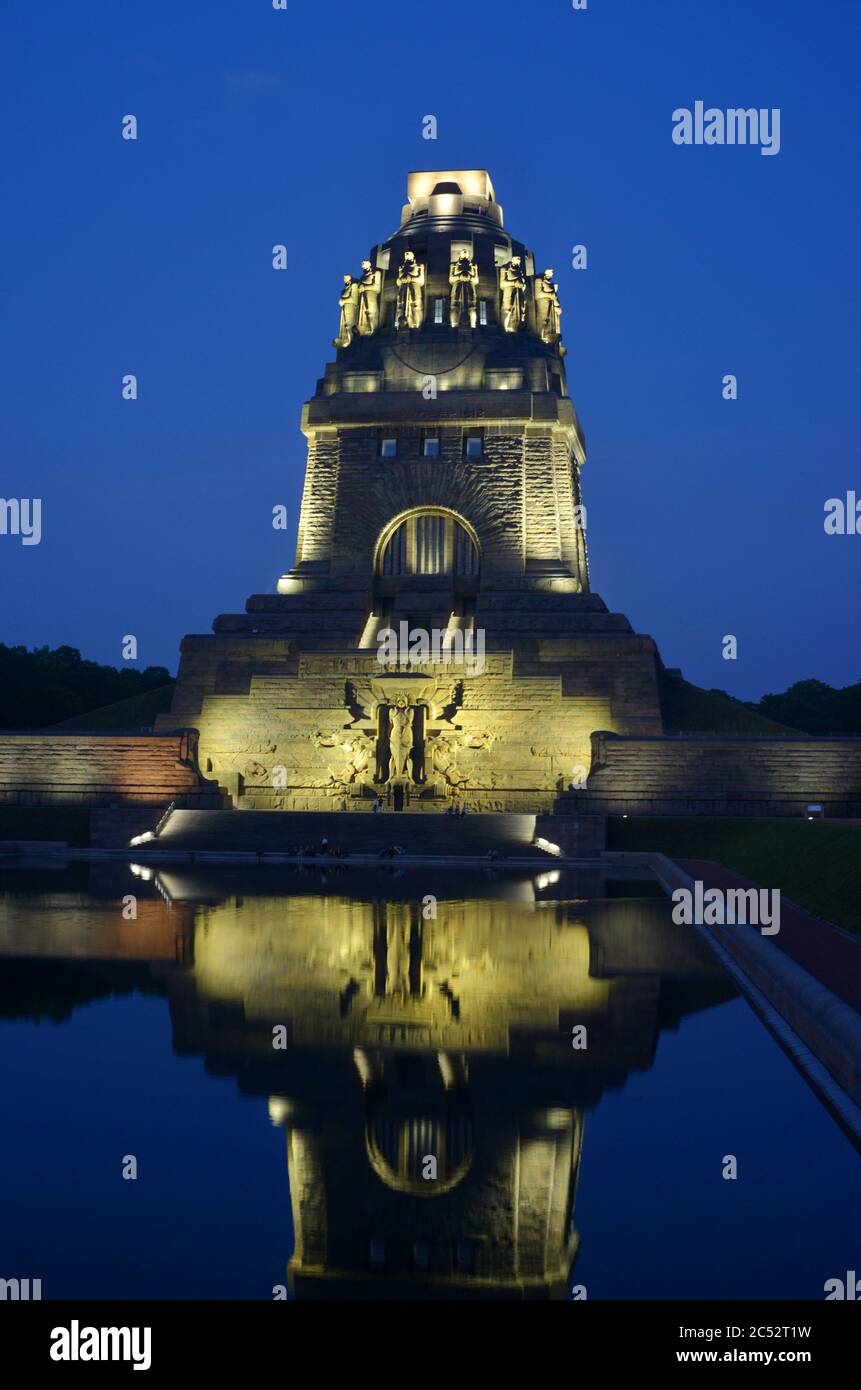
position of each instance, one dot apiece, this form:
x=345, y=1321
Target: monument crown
x=443, y=193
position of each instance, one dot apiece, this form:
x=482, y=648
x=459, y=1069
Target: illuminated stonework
x=442, y=496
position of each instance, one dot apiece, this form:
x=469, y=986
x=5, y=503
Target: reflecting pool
x=261, y=1082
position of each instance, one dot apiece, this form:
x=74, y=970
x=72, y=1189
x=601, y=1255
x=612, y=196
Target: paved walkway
x=828, y=953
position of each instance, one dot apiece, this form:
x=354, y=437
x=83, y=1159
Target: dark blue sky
x=257, y=127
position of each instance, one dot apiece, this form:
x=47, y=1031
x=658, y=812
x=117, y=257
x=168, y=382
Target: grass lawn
x=815, y=863
x=69, y=823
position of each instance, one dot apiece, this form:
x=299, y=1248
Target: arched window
x=399, y=1147
x=428, y=542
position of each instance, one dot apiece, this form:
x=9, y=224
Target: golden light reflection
x=431, y=1090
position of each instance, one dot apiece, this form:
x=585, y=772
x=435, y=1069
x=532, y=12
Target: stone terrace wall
x=715, y=775
x=102, y=770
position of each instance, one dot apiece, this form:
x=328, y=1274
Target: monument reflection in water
x=417, y=1047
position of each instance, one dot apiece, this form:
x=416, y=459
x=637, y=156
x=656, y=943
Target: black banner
x=66, y=1338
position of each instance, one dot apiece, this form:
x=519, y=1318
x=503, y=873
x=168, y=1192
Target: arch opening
x=428, y=541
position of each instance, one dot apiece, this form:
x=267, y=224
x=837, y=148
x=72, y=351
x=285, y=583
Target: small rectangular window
x=377, y=1252
x=465, y=1256
x=430, y=446
x=439, y=311
x=388, y=447
x=482, y=312
x=473, y=445
x=421, y=1255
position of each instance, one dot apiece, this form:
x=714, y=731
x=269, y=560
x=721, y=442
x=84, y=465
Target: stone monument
x=437, y=641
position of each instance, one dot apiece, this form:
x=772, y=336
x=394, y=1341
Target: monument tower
x=437, y=636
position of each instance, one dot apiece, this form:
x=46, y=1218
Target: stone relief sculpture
x=378, y=753
x=410, y=282
x=484, y=739
x=547, y=308
x=444, y=701
x=339, y=778
x=326, y=740
x=358, y=755
x=512, y=288
x=254, y=743
x=400, y=737
x=370, y=289
x=349, y=305
x=463, y=278
x=443, y=754
x=445, y=749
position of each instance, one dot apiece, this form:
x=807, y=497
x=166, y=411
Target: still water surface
x=407, y=1036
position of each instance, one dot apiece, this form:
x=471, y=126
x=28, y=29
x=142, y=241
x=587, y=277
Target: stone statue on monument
x=512, y=285
x=410, y=282
x=370, y=288
x=349, y=305
x=463, y=278
x=400, y=737
x=547, y=307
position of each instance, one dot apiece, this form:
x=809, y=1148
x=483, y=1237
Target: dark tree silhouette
x=43, y=687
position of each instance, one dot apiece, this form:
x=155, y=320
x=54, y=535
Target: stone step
x=355, y=832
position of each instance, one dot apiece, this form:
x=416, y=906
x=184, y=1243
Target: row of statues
x=548, y=310
x=360, y=305
x=359, y=301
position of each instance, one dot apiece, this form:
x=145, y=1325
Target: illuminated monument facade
x=442, y=497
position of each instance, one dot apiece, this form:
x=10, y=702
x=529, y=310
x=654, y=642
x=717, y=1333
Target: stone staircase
x=272, y=832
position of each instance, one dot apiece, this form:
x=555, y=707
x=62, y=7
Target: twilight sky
x=258, y=126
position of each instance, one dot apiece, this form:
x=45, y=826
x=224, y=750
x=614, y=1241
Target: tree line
x=43, y=687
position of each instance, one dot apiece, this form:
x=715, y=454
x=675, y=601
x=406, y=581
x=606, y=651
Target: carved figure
x=463, y=278
x=410, y=282
x=547, y=307
x=339, y=778
x=370, y=288
x=444, y=751
x=512, y=284
x=358, y=763
x=400, y=737
x=443, y=760
x=349, y=304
